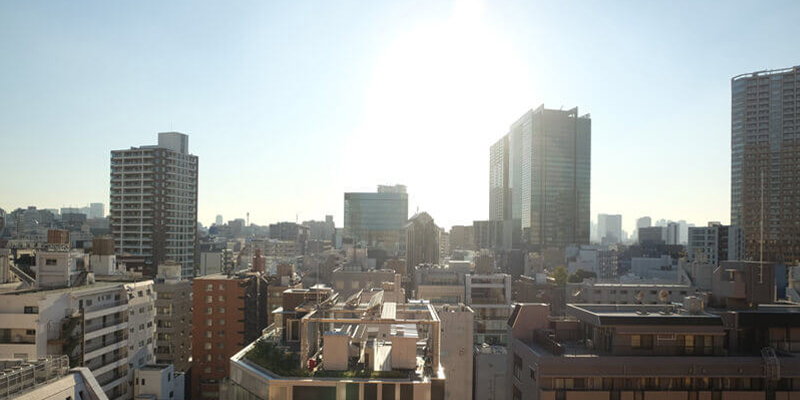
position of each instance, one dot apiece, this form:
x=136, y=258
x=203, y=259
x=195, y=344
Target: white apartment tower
x=153, y=205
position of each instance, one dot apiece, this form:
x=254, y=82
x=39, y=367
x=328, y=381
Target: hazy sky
x=289, y=104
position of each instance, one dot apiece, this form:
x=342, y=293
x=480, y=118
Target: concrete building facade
x=153, y=202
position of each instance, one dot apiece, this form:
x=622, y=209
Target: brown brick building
x=229, y=312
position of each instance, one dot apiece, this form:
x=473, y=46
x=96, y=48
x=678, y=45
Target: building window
x=207, y=346
x=209, y=310
x=31, y=310
x=533, y=373
x=642, y=341
x=517, y=366
x=208, y=334
x=221, y=298
x=209, y=299
x=209, y=287
x=222, y=322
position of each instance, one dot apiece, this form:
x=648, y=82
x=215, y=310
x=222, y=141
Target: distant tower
x=219, y=220
x=248, y=218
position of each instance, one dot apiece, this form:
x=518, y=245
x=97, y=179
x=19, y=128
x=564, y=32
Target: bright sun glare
x=440, y=94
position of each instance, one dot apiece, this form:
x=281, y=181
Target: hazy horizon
x=289, y=105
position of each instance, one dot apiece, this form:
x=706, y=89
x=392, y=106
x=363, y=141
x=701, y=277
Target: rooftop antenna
x=248, y=218
x=761, y=261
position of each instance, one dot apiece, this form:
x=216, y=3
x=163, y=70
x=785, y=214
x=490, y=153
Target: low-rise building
x=158, y=382
x=368, y=349
x=489, y=296
x=47, y=379
x=653, y=351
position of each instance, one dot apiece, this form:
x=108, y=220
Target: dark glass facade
x=376, y=219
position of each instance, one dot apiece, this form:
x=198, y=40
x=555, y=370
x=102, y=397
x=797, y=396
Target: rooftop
x=639, y=314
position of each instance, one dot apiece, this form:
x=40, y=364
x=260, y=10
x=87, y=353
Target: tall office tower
x=644, y=222
x=154, y=202
x=549, y=174
x=422, y=241
x=377, y=219
x=609, y=228
x=218, y=220
x=499, y=186
x=765, y=142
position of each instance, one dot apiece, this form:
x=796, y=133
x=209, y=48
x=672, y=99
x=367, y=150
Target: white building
x=158, y=382
x=47, y=379
x=153, y=206
x=105, y=326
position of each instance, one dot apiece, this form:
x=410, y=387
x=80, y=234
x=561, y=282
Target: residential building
x=173, y=317
x=489, y=296
x=653, y=351
x=105, y=326
x=549, y=192
x=609, y=227
x=367, y=348
x=422, y=240
x=764, y=162
x=47, y=379
x=158, y=382
x=153, y=206
x=285, y=279
x=715, y=243
x=377, y=219
x=229, y=311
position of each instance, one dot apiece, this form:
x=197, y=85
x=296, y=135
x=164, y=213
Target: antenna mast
x=761, y=256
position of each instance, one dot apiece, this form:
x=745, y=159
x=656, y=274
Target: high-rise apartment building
x=540, y=173
x=765, y=143
x=154, y=202
x=377, y=219
x=609, y=228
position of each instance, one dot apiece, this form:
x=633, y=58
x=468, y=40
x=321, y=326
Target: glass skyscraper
x=377, y=219
x=546, y=177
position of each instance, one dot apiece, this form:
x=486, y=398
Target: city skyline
x=643, y=103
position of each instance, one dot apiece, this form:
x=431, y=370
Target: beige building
x=368, y=349
x=173, y=317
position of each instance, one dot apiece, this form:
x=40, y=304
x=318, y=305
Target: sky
x=290, y=104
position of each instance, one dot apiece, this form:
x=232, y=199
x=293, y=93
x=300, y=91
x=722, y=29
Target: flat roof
x=639, y=314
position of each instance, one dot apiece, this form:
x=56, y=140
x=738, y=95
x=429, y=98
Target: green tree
x=560, y=275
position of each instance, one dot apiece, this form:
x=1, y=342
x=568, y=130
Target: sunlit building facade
x=542, y=167
x=765, y=142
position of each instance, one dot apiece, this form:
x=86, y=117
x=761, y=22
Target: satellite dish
x=663, y=295
x=640, y=296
